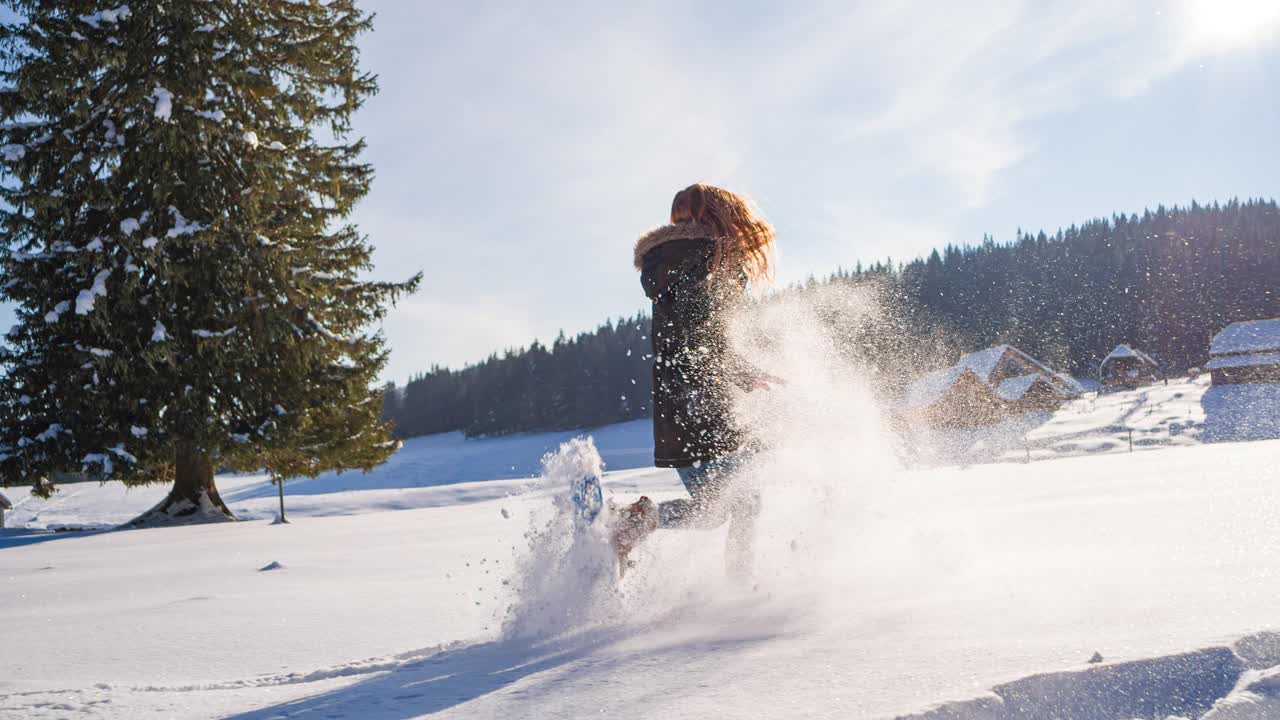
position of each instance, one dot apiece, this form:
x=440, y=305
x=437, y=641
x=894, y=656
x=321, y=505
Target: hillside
x=1164, y=280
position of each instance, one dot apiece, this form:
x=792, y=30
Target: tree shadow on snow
x=18, y=537
x=451, y=678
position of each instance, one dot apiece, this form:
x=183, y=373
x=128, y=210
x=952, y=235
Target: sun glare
x=1230, y=24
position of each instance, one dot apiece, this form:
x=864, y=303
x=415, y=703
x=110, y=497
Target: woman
x=695, y=270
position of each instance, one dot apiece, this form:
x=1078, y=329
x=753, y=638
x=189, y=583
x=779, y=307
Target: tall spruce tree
x=177, y=176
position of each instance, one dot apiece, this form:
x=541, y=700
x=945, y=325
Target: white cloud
x=967, y=80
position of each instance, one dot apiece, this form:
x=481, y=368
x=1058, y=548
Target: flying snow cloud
x=834, y=508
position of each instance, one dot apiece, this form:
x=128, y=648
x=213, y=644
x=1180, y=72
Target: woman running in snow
x=695, y=270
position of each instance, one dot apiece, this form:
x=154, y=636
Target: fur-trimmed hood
x=666, y=234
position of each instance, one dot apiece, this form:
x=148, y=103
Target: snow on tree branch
x=86, y=299
x=109, y=17
x=164, y=103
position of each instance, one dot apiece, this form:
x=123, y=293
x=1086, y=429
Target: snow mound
x=1259, y=650
x=1213, y=684
x=1241, y=412
x=1255, y=697
x=181, y=511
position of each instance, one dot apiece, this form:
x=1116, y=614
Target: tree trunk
x=282, y=520
x=194, y=496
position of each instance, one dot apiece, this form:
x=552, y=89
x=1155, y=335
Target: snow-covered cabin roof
x=1247, y=337
x=4, y=503
x=1245, y=360
x=984, y=362
x=1121, y=351
x=1072, y=385
x=931, y=387
x=1125, y=351
x=1015, y=388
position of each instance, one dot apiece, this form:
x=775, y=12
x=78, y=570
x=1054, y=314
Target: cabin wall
x=969, y=403
x=1243, y=375
x=1040, y=397
x=1116, y=373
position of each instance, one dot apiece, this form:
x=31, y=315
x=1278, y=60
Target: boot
x=633, y=524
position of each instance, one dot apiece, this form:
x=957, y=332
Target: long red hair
x=744, y=241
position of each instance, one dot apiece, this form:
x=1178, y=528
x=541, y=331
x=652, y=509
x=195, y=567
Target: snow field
x=947, y=584
x=136, y=621
x=449, y=582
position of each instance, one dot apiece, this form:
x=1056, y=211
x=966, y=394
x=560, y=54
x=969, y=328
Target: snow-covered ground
x=879, y=592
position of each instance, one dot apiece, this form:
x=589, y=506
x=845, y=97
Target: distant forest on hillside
x=1164, y=281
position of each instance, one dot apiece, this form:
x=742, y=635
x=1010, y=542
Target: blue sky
x=521, y=147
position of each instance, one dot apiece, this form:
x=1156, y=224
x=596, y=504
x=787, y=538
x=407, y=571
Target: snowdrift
x=1218, y=683
x=1241, y=412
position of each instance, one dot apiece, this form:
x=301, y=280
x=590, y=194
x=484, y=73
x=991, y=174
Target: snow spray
x=565, y=578
x=825, y=451
x=833, y=517
x=836, y=518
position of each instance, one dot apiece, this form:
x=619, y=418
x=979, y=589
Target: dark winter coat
x=693, y=367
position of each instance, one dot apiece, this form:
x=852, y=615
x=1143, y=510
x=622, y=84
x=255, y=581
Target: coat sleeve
x=738, y=370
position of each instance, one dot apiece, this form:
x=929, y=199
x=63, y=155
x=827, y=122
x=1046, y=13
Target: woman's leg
x=702, y=510
x=715, y=497
x=739, y=551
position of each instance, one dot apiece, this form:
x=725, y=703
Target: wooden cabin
x=1246, y=352
x=1030, y=393
x=1128, y=367
x=953, y=398
x=1002, y=362
x=985, y=387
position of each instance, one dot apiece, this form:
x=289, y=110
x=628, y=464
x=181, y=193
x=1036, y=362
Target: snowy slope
x=880, y=592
